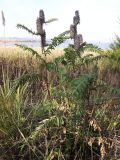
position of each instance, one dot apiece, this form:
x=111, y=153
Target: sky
x=100, y=19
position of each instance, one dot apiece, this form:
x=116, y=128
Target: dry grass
x=16, y=59
x=15, y=52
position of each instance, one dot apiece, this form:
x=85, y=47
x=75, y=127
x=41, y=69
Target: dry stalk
x=78, y=39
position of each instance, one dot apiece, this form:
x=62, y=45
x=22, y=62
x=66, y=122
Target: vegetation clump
x=65, y=110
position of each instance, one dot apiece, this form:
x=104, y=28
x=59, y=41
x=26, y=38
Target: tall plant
x=65, y=124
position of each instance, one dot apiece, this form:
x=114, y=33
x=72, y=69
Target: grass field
x=15, y=52
x=59, y=104
x=23, y=59
x=71, y=114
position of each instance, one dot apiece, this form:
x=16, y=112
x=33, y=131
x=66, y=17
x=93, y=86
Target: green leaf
x=23, y=80
x=80, y=86
x=93, y=48
x=27, y=29
x=51, y=20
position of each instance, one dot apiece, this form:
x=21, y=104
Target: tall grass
x=63, y=127
x=70, y=113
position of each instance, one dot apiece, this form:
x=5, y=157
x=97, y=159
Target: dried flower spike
x=77, y=13
x=42, y=16
x=76, y=20
x=78, y=41
x=39, y=26
x=81, y=38
x=73, y=31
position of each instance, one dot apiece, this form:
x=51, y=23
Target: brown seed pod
x=76, y=20
x=42, y=16
x=78, y=40
x=73, y=31
x=39, y=26
x=81, y=38
x=76, y=13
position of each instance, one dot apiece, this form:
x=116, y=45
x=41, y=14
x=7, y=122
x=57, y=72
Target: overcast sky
x=99, y=18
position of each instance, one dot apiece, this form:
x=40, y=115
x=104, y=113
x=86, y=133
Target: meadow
x=59, y=104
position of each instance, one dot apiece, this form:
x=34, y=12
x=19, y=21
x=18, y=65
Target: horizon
x=33, y=42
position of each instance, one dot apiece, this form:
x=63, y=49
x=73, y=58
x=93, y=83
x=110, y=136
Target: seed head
x=76, y=13
x=42, y=16
x=78, y=41
x=81, y=38
x=73, y=31
x=39, y=26
x=76, y=20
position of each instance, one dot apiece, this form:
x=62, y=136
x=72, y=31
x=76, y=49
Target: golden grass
x=15, y=52
x=11, y=52
x=17, y=59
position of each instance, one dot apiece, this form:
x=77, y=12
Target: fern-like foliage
x=51, y=20
x=32, y=77
x=34, y=53
x=89, y=59
x=81, y=85
x=69, y=56
x=21, y=26
x=92, y=48
x=56, y=41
